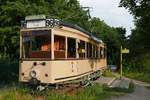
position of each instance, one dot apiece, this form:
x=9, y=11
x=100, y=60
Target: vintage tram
x=54, y=52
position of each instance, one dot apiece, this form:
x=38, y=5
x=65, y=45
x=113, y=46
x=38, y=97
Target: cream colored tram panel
x=41, y=71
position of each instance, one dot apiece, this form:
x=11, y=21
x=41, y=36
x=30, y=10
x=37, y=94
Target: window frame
x=75, y=48
x=82, y=48
x=29, y=57
x=60, y=50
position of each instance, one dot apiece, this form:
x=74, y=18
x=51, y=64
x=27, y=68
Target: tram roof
x=50, y=22
x=74, y=26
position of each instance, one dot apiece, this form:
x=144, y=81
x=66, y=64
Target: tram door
x=71, y=54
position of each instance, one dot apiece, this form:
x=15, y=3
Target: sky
x=109, y=11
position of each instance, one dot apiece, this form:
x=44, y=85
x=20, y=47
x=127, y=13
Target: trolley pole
x=121, y=62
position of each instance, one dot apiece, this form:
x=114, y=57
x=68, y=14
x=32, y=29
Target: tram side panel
x=84, y=67
x=102, y=64
x=69, y=70
x=63, y=70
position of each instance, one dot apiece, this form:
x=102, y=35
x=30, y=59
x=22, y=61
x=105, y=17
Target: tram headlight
x=33, y=74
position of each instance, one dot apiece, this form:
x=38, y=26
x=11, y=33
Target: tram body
x=53, y=52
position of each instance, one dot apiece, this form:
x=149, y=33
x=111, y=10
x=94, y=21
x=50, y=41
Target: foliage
x=140, y=35
x=9, y=71
x=122, y=33
x=138, y=76
x=138, y=68
x=139, y=40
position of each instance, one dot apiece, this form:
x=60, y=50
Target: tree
x=122, y=33
x=139, y=39
x=140, y=9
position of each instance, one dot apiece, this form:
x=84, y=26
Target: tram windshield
x=36, y=44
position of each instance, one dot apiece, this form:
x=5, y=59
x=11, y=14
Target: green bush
x=145, y=62
x=138, y=68
x=8, y=71
x=139, y=64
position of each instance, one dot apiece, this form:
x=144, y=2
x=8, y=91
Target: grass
x=148, y=87
x=15, y=93
x=94, y=92
x=145, y=77
x=108, y=73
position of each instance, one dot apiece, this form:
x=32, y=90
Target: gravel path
x=140, y=92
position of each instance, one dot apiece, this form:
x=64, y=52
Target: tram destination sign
x=36, y=23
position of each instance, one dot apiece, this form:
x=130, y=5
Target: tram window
x=71, y=48
x=26, y=46
x=101, y=52
x=98, y=52
x=105, y=53
x=89, y=50
x=37, y=44
x=81, y=49
x=59, y=46
x=94, y=51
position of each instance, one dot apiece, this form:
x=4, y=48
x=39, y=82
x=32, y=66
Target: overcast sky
x=109, y=11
